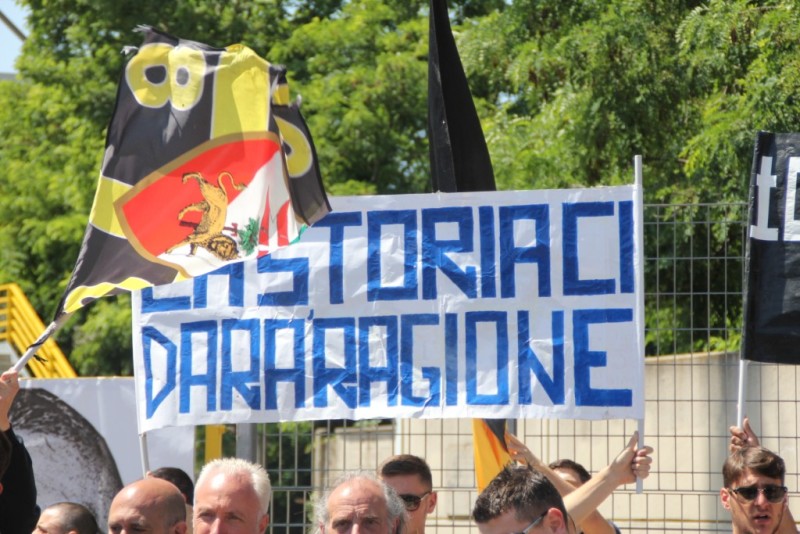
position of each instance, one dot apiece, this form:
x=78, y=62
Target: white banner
x=503, y=304
x=83, y=443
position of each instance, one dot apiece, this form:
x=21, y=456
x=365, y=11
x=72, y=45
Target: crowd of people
x=233, y=495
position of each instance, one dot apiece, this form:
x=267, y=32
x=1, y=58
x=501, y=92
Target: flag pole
x=639, y=210
x=36, y=345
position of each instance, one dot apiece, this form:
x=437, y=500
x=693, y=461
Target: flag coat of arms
x=207, y=162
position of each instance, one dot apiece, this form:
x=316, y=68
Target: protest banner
x=500, y=304
x=772, y=292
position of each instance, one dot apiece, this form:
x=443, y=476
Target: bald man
x=149, y=505
x=66, y=518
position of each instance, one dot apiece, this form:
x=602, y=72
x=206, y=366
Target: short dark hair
x=75, y=517
x=179, y=479
x=407, y=464
x=759, y=460
x=572, y=465
x=519, y=488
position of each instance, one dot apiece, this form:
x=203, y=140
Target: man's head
x=754, y=491
x=411, y=478
x=520, y=499
x=232, y=496
x=66, y=518
x=360, y=499
x=179, y=478
x=149, y=505
x=571, y=472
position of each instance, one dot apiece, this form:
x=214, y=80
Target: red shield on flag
x=193, y=195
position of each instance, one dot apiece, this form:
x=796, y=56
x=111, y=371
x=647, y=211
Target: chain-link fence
x=694, y=265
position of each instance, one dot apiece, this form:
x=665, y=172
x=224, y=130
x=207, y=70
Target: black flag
x=459, y=157
x=772, y=280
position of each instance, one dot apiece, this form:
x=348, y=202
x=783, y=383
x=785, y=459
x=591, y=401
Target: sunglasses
x=412, y=502
x=532, y=525
x=772, y=493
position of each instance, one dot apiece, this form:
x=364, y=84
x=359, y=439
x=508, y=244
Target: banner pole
x=36, y=345
x=144, y=454
x=639, y=229
x=742, y=387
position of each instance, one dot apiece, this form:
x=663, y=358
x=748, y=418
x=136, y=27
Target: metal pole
x=11, y=26
x=246, y=442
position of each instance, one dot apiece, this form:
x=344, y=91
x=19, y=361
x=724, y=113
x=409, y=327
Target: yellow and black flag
x=207, y=162
x=489, y=446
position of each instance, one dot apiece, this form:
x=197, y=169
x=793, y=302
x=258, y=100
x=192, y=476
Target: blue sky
x=9, y=43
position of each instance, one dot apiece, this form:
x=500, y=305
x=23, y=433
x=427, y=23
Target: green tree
x=568, y=92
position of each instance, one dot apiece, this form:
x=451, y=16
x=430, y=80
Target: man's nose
x=761, y=499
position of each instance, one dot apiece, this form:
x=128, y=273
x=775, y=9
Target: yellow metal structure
x=214, y=442
x=20, y=326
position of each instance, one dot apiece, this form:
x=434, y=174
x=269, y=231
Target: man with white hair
x=231, y=496
x=360, y=502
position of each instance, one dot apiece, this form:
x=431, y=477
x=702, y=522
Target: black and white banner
x=772, y=305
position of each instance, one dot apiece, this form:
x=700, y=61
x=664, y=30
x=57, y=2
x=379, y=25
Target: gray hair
x=259, y=479
x=394, y=504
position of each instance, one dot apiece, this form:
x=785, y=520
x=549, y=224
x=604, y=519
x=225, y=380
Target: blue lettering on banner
x=244, y=382
x=501, y=363
x=530, y=363
x=153, y=304
x=151, y=335
x=344, y=380
x=488, y=266
x=585, y=359
x=207, y=380
x=337, y=222
x=375, y=221
x=451, y=358
x=627, y=273
x=434, y=251
x=235, y=274
x=272, y=373
x=430, y=337
x=511, y=254
x=573, y=285
x=367, y=374
x=298, y=295
x=431, y=374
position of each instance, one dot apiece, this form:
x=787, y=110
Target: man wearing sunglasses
x=754, y=492
x=743, y=437
x=411, y=478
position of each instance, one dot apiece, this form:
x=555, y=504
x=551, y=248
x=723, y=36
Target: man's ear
x=431, y=502
x=179, y=528
x=725, y=498
x=262, y=523
x=555, y=521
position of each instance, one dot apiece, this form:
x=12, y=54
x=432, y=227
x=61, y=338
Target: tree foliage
x=568, y=92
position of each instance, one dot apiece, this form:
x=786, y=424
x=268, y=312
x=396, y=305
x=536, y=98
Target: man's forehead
x=358, y=492
x=405, y=481
x=750, y=477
